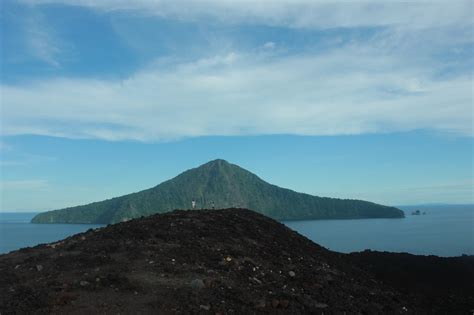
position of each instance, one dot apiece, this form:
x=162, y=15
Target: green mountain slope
x=222, y=185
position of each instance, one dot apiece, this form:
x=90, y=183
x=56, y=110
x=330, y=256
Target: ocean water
x=17, y=232
x=443, y=231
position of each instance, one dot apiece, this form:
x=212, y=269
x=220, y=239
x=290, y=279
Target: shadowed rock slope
x=232, y=261
x=219, y=184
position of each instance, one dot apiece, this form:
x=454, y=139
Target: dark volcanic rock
x=442, y=285
x=230, y=261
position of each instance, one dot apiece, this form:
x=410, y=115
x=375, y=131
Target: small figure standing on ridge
x=213, y=206
x=193, y=203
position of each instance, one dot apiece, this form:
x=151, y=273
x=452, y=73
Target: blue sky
x=370, y=100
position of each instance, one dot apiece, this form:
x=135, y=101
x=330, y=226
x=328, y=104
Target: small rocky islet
x=232, y=261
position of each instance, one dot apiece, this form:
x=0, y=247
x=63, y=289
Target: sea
x=443, y=230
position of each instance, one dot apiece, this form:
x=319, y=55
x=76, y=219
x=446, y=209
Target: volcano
x=217, y=185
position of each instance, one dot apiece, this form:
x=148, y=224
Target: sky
x=353, y=99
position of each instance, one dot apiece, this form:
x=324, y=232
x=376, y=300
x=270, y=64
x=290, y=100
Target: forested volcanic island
x=219, y=184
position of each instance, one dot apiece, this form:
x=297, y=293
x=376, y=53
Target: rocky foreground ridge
x=232, y=261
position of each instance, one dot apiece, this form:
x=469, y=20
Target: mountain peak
x=219, y=184
x=219, y=168
x=217, y=162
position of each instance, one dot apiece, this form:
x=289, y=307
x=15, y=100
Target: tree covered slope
x=219, y=184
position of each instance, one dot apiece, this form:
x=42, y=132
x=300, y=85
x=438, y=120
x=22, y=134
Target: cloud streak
x=42, y=45
x=40, y=40
x=346, y=91
x=391, y=82
x=28, y=184
x=449, y=192
x=294, y=13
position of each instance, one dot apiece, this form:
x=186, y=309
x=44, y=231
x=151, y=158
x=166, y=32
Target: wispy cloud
x=42, y=43
x=392, y=81
x=448, y=192
x=26, y=185
x=32, y=35
x=351, y=90
x=26, y=159
x=296, y=13
x=41, y=40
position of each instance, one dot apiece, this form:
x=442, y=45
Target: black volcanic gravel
x=231, y=261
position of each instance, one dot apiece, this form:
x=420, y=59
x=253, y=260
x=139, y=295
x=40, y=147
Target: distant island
x=217, y=185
